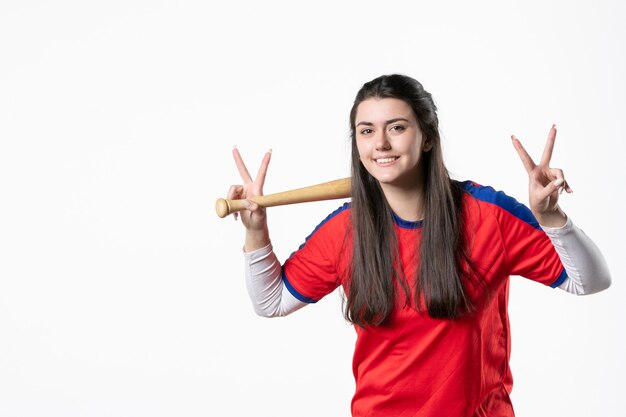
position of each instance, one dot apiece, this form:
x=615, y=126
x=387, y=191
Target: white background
x=121, y=291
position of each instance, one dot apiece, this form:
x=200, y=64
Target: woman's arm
x=267, y=291
x=586, y=268
x=253, y=218
x=587, y=271
x=270, y=296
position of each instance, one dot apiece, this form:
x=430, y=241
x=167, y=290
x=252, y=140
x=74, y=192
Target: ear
x=427, y=146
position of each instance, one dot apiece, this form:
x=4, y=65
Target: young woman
x=424, y=261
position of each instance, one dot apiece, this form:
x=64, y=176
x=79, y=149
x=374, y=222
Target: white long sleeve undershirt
x=587, y=271
x=269, y=294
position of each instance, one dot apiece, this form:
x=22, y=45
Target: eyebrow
x=388, y=122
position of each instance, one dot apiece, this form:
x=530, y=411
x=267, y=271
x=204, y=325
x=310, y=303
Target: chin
x=388, y=181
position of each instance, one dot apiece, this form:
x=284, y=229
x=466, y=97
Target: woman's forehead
x=378, y=109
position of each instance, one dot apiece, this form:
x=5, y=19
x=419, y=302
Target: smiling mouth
x=386, y=160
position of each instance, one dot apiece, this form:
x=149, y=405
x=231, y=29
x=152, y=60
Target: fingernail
x=270, y=150
x=246, y=203
x=234, y=146
x=558, y=182
x=553, y=125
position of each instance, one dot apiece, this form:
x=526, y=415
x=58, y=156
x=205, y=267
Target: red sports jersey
x=417, y=365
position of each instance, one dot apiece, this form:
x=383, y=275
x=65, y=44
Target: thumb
x=551, y=188
x=251, y=205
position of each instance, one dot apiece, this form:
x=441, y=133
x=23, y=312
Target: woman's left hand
x=544, y=184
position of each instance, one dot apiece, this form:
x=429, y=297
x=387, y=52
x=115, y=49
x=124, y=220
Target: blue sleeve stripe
x=330, y=216
x=345, y=206
x=500, y=199
x=295, y=293
x=560, y=279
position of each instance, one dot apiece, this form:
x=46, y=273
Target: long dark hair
x=375, y=273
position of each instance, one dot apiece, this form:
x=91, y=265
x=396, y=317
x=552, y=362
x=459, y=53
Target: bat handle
x=225, y=207
x=326, y=191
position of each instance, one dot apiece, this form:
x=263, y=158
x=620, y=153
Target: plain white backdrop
x=121, y=291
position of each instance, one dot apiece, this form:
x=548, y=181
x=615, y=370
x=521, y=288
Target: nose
x=382, y=141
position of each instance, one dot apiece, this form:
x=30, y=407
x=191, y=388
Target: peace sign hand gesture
x=253, y=218
x=545, y=183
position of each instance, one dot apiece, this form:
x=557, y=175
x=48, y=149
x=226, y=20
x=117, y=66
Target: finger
x=551, y=188
x=528, y=162
x=241, y=167
x=234, y=192
x=567, y=187
x=260, y=176
x=251, y=205
x=547, y=151
x=557, y=173
x=254, y=209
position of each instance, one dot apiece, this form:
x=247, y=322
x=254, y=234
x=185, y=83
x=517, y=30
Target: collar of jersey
x=406, y=224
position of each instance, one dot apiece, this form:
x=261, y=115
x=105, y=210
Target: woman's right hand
x=253, y=218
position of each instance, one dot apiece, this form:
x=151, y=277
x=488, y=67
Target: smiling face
x=390, y=141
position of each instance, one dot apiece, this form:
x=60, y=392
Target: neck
x=406, y=202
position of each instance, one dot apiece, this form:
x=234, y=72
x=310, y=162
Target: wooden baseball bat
x=325, y=191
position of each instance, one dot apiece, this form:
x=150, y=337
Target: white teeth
x=385, y=160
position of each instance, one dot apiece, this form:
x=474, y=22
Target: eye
x=397, y=128
x=366, y=131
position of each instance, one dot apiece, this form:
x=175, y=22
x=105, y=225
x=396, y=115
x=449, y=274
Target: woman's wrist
x=256, y=239
x=555, y=218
